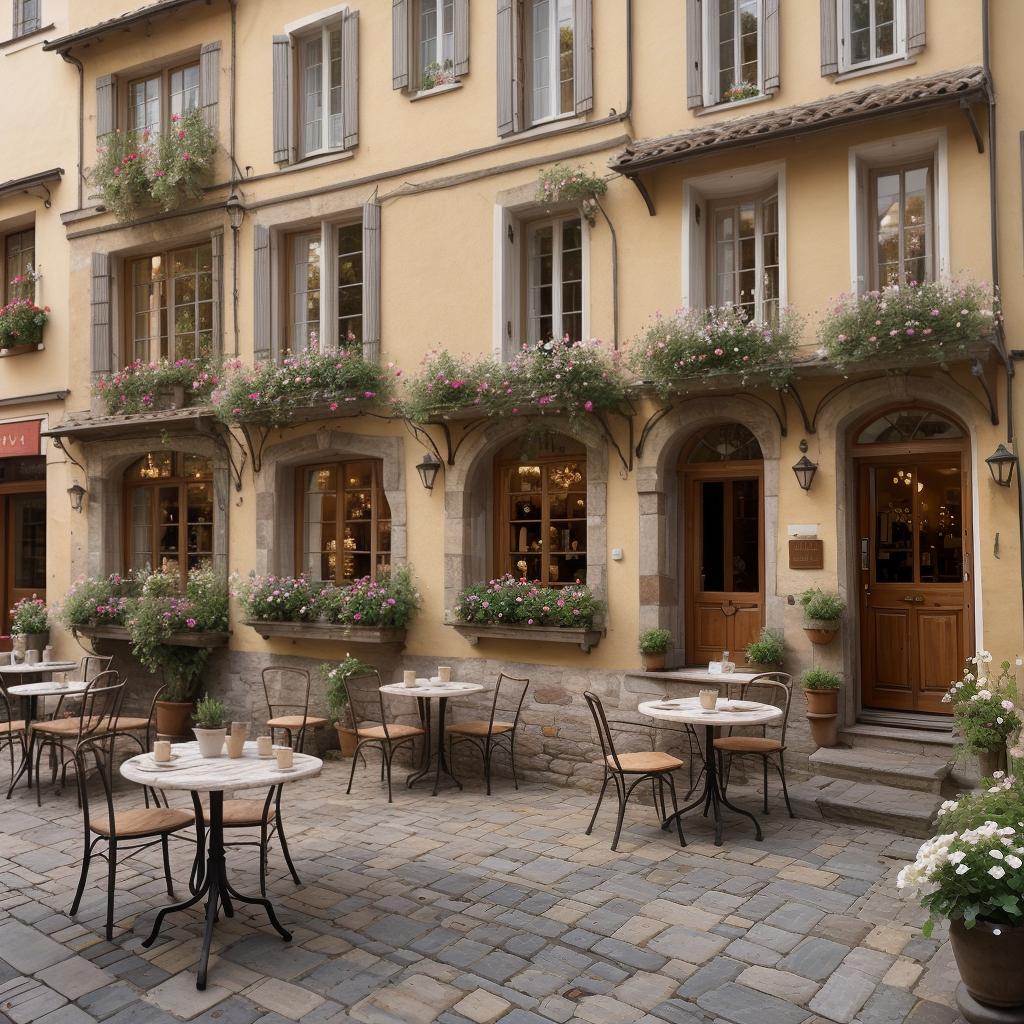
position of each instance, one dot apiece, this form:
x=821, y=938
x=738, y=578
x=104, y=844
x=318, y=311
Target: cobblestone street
x=468, y=908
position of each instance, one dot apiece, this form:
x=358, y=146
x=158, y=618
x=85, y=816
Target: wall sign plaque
x=806, y=554
x=19, y=439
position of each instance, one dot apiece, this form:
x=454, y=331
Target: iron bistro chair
x=655, y=765
x=488, y=736
x=770, y=688
x=290, y=723
x=12, y=732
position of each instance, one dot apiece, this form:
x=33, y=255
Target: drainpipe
x=235, y=176
x=81, y=120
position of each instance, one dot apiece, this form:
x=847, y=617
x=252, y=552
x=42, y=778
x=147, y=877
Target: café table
x=688, y=710
x=216, y=776
x=426, y=691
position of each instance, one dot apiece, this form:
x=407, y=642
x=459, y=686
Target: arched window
x=903, y=425
x=542, y=515
x=169, y=505
x=725, y=442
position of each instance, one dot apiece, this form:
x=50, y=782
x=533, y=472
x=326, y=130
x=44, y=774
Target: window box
x=474, y=632
x=185, y=638
x=21, y=350
x=329, y=631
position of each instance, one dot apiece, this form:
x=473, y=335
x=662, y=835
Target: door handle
x=914, y=599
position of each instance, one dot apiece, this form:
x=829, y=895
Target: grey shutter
x=217, y=283
x=350, y=77
x=100, y=336
x=282, y=81
x=400, y=44
x=583, y=55
x=261, y=283
x=694, y=61
x=829, y=37
x=371, y=282
x=508, y=79
x=209, y=82
x=915, y=26
x=104, y=105
x=461, y=38
x=771, y=45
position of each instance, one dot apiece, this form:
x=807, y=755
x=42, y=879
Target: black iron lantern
x=805, y=469
x=76, y=492
x=428, y=469
x=236, y=211
x=1000, y=464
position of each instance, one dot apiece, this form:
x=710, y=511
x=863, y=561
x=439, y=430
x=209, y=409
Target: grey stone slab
x=623, y=952
x=814, y=958
x=794, y=917
x=718, y=972
x=27, y=949
x=743, y=1005
x=842, y=996
x=887, y=1005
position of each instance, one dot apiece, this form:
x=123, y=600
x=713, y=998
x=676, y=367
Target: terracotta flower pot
x=820, y=631
x=172, y=719
x=989, y=958
x=822, y=702
x=347, y=740
x=654, y=662
x=824, y=729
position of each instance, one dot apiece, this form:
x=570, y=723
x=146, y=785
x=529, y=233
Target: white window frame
x=898, y=149
x=899, y=53
x=758, y=200
x=299, y=291
x=532, y=285
x=554, y=80
x=419, y=65
x=323, y=30
x=698, y=194
x=709, y=42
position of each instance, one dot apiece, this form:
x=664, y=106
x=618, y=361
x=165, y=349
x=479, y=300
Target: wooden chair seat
x=242, y=813
x=64, y=726
x=644, y=761
x=295, y=722
x=479, y=728
x=126, y=724
x=396, y=732
x=16, y=726
x=748, y=744
x=143, y=821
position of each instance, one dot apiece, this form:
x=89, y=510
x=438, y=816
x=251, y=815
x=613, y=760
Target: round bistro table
x=689, y=711
x=216, y=776
x=426, y=691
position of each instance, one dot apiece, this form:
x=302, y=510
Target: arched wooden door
x=914, y=558
x=723, y=522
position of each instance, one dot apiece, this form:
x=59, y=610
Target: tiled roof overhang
x=961, y=86
x=122, y=23
x=85, y=428
x=17, y=186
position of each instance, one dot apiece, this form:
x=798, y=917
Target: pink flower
x=588, y=405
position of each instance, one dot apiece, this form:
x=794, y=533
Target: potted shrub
x=821, y=691
x=337, y=700
x=174, y=709
x=766, y=653
x=654, y=645
x=972, y=874
x=30, y=619
x=822, y=612
x=210, y=729
x=21, y=325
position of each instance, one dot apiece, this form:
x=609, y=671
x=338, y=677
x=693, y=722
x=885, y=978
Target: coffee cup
x=32, y=657
x=444, y=673
x=237, y=737
x=264, y=746
x=409, y=677
x=162, y=750
x=708, y=699
x=285, y=757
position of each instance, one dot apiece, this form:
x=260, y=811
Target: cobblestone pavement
x=464, y=908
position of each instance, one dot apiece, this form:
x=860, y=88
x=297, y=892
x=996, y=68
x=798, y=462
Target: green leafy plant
x=121, y=172
x=1001, y=799
x=334, y=675
x=138, y=387
x=278, y=598
x=673, y=350
x=934, y=321
x=654, y=641
x=29, y=615
x=820, y=606
x=507, y=600
x=209, y=714
x=768, y=649
x=99, y=600
x=561, y=184
x=437, y=73
x=985, y=706
x=390, y=600
x=819, y=679
x=22, y=323
x=182, y=160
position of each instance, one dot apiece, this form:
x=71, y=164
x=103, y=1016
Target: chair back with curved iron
x=365, y=701
x=91, y=665
x=604, y=732
x=768, y=688
x=8, y=737
x=290, y=683
x=101, y=706
x=513, y=706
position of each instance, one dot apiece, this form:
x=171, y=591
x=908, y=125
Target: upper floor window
x=436, y=25
x=745, y=256
x=550, y=31
x=902, y=204
x=872, y=30
x=429, y=43
x=161, y=98
x=19, y=264
x=555, y=280
x=26, y=17
x=320, y=90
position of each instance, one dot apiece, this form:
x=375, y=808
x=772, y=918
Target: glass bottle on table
x=727, y=665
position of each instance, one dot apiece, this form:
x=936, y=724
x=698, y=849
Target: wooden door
x=914, y=558
x=724, y=520
x=23, y=550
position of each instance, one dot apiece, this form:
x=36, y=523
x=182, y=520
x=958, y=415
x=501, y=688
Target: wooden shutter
x=350, y=77
x=771, y=45
x=217, y=285
x=371, y=282
x=583, y=55
x=399, y=44
x=829, y=38
x=209, y=82
x=507, y=63
x=694, y=57
x=915, y=26
x=461, y=38
x=261, y=325
x=282, y=82
x=100, y=335
x=105, y=89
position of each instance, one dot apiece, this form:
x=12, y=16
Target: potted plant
x=21, y=325
x=210, y=729
x=821, y=691
x=337, y=700
x=174, y=709
x=822, y=612
x=654, y=645
x=765, y=654
x=972, y=874
x=30, y=619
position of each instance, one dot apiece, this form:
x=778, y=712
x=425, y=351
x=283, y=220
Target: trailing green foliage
x=768, y=649
x=821, y=606
x=655, y=641
x=561, y=184
x=139, y=386
x=507, y=600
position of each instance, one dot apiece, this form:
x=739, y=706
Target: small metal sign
x=806, y=554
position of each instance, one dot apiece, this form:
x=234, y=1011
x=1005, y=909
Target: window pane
x=311, y=78
x=28, y=513
x=939, y=523
x=428, y=34
x=712, y=527
x=565, y=58
x=305, y=299
x=350, y=284
x=144, y=105
x=746, y=542
x=894, y=533
x=21, y=257
x=141, y=537
x=540, y=63
x=335, y=128
x=184, y=90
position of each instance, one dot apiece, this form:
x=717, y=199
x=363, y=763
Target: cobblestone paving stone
x=469, y=910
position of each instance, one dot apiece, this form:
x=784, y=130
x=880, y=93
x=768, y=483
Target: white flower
x=956, y=856
x=947, y=806
x=962, y=870
x=996, y=854
x=998, y=775
x=1014, y=861
x=1007, y=705
x=996, y=871
x=984, y=657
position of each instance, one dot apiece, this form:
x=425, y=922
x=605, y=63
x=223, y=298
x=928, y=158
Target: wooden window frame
x=871, y=211
x=291, y=247
x=164, y=74
x=502, y=552
x=710, y=42
x=181, y=481
x=379, y=499
x=844, y=22
x=10, y=291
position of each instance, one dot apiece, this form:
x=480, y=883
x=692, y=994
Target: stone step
x=936, y=742
x=902, y=769
x=904, y=811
